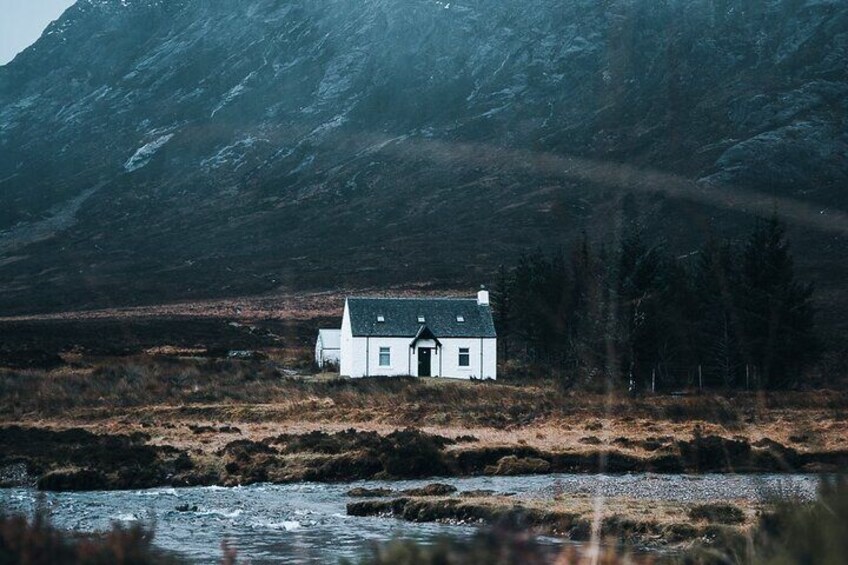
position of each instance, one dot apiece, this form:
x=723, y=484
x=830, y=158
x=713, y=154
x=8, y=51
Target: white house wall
x=400, y=356
x=484, y=366
x=346, y=362
x=490, y=358
x=364, y=358
x=318, y=351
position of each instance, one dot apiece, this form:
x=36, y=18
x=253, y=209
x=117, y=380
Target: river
x=306, y=522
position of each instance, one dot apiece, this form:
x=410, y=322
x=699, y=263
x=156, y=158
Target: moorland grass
x=126, y=383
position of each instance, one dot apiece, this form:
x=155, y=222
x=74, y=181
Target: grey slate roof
x=401, y=315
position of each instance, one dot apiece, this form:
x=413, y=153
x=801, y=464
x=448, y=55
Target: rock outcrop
x=150, y=149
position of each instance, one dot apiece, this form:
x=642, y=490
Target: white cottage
x=328, y=348
x=424, y=337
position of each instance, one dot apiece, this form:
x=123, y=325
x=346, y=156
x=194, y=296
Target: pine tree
x=776, y=310
x=638, y=294
x=715, y=317
x=502, y=309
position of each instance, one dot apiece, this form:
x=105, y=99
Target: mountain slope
x=154, y=150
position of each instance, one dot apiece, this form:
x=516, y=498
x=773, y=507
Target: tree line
x=732, y=315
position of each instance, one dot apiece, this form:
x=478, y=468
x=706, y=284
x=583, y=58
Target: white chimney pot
x=483, y=297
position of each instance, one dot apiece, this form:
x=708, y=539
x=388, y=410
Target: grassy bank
x=780, y=534
x=645, y=523
x=190, y=421
x=83, y=386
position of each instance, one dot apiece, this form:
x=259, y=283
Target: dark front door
x=424, y=358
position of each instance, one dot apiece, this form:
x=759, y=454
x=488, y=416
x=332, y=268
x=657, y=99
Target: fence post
x=747, y=384
x=654, y=381
x=700, y=379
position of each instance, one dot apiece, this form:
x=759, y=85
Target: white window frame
x=466, y=351
x=387, y=351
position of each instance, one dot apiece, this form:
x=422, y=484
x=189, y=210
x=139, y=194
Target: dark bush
x=37, y=542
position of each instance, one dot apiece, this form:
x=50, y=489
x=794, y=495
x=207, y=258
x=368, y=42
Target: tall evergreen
x=639, y=288
x=502, y=309
x=716, y=318
x=776, y=310
x=637, y=315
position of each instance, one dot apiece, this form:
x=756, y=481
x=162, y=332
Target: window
x=460, y=319
x=385, y=357
x=464, y=357
x=421, y=319
x=381, y=318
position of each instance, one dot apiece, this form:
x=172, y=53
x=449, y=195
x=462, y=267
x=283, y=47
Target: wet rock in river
x=435, y=489
x=362, y=492
x=478, y=493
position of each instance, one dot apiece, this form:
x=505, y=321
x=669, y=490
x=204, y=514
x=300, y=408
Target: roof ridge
x=410, y=298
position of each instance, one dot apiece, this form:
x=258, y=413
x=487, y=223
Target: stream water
x=305, y=523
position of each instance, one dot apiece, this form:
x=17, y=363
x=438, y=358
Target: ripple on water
x=285, y=525
x=126, y=518
x=221, y=513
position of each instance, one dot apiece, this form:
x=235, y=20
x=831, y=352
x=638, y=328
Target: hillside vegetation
x=219, y=149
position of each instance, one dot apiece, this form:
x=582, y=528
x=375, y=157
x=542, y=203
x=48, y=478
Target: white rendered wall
x=318, y=351
x=324, y=355
x=480, y=367
x=490, y=358
x=346, y=363
x=364, y=357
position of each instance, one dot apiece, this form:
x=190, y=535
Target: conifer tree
x=775, y=309
x=716, y=318
x=502, y=309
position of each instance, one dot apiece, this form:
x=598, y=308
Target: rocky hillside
x=158, y=150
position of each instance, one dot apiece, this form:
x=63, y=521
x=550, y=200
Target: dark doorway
x=424, y=358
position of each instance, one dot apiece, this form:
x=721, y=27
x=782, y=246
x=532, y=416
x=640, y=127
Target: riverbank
x=76, y=459
x=309, y=522
x=147, y=422
x=577, y=517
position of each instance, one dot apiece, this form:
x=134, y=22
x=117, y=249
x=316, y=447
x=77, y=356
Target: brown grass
x=579, y=517
x=37, y=542
x=163, y=396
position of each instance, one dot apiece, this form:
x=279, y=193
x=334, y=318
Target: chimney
x=483, y=296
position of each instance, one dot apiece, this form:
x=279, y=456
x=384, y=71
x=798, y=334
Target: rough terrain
x=160, y=420
x=220, y=149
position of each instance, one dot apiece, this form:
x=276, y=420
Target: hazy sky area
x=22, y=21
